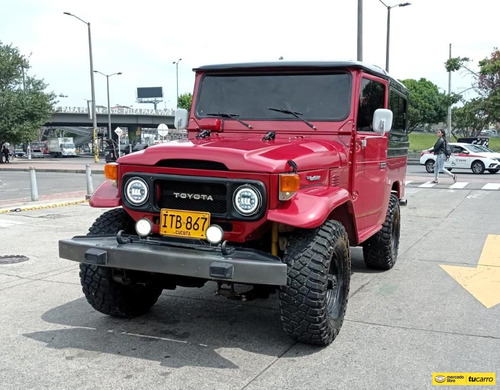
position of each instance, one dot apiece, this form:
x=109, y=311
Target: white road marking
x=491, y=186
x=459, y=184
x=428, y=184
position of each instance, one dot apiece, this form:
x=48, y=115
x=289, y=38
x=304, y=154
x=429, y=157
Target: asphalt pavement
x=422, y=317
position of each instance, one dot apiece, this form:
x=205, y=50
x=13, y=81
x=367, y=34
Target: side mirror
x=181, y=119
x=382, y=121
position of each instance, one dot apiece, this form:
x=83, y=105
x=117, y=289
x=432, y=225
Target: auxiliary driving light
x=214, y=234
x=143, y=227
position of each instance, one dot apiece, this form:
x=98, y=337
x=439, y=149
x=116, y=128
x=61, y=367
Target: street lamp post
x=389, y=29
x=109, y=108
x=94, y=116
x=177, y=78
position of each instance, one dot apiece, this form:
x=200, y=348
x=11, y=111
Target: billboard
x=149, y=93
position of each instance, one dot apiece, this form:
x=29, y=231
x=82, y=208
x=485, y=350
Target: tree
x=185, y=101
x=487, y=85
x=24, y=106
x=470, y=119
x=426, y=105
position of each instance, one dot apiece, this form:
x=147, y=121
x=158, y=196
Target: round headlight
x=247, y=200
x=136, y=191
x=143, y=227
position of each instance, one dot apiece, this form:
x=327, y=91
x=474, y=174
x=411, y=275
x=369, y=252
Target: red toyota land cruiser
x=285, y=165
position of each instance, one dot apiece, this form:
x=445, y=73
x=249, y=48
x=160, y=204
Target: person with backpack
x=440, y=150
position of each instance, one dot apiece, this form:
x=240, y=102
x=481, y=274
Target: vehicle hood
x=246, y=154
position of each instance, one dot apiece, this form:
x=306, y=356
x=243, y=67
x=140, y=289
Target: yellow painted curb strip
x=43, y=206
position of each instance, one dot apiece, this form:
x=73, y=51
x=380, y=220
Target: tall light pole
x=94, y=116
x=109, y=108
x=177, y=78
x=389, y=29
x=360, y=30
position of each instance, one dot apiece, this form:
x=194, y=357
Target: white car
x=465, y=156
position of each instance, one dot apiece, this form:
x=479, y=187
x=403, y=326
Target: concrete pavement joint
x=423, y=330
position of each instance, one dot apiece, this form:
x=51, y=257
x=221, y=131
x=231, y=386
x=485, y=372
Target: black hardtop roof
x=298, y=65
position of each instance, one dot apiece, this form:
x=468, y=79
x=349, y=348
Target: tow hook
x=403, y=202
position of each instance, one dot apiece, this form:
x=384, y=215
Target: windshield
x=68, y=146
x=484, y=149
x=314, y=96
x=476, y=148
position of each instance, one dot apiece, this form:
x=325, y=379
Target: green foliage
x=454, y=64
x=185, y=101
x=471, y=118
x=426, y=105
x=421, y=141
x=24, y=105
x=485, y=110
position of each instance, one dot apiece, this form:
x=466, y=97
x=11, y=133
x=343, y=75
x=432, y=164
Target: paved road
x=400, y=327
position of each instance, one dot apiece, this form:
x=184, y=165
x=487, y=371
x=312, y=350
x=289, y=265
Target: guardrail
x=118, y=110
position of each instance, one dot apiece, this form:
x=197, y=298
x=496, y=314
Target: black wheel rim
x=334, y=292
x=395, y=230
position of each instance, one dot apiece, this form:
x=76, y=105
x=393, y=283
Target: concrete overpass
x=132, y=118
x=77, y=120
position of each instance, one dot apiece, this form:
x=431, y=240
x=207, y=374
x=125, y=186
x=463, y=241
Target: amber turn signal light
x=289, y=185
x=111, y=171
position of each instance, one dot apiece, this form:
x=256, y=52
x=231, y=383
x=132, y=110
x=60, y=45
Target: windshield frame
x=264, y=99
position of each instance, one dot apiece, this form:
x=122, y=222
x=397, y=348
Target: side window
x=397, y=104
x=371, y=97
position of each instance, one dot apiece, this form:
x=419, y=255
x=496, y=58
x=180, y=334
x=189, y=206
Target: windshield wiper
x=295, y=114
x=231, y=116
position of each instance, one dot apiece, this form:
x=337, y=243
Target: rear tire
x=314, y=301
x=429, y=166
x=101, y=290
x=381, y=250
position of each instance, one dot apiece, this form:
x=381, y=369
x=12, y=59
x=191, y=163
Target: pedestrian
x=438, y=150
x=6, y=153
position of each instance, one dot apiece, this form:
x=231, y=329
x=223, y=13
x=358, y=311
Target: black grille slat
x=174, y=195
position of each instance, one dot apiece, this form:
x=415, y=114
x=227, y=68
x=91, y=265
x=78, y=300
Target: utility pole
x=360, y=30
x=448, y=119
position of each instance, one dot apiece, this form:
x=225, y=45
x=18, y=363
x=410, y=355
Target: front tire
x=314, y=301
x=101, y=290
x=493, y=170
x=477, y=167
x=381, y=250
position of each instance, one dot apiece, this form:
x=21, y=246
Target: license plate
x=182, y=223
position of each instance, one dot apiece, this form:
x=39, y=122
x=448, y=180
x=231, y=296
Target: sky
x=143, y=39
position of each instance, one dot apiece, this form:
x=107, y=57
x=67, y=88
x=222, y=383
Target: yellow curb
x=47, y=206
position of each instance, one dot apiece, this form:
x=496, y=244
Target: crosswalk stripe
x=460, y=184
x=428, y=184
x=491, y=186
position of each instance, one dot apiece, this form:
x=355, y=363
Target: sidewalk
x=74, y=165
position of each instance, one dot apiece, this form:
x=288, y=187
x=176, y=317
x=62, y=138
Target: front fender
x=310, y=207
x=106, y=195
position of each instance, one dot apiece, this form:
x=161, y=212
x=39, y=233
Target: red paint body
x=345, y=173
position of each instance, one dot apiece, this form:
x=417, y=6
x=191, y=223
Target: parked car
x=36, y=153
x=19, y=153
x=465, y=156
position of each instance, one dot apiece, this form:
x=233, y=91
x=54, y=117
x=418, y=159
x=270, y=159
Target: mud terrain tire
x=313, y=303
x=381, y=250
x=104, y=293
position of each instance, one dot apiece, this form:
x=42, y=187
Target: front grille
x=188, y=195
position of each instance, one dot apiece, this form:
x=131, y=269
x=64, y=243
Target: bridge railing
x=118, y=110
